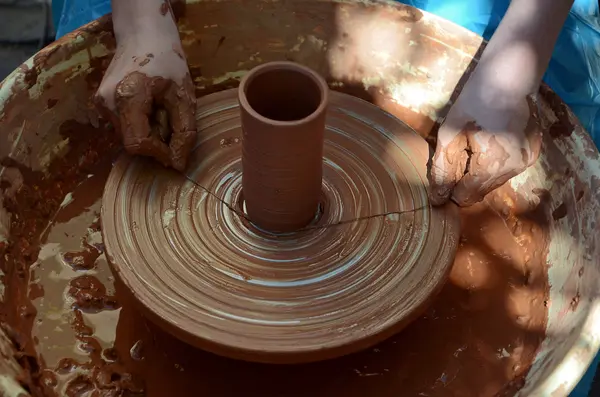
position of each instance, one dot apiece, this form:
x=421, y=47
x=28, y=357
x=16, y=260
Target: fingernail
x=178, y=164
x=466, y=200
x=439, y=195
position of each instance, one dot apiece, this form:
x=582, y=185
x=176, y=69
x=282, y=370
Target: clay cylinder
x=283, y=107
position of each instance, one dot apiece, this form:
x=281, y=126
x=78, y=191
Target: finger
x=134, y=104
x=180, y=103
x=449, y=161
x=106, y=93
x=105, y=112
x=161, y=126
x=496, y=158
x=493, y=162
x=535, y=145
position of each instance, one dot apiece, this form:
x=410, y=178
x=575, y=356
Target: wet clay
x=169, y=133
x=489, y=318
x=36, y=201
x=283, y=107
x=361, y=272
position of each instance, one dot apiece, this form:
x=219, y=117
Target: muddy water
x=488, y=321
x=78, y=292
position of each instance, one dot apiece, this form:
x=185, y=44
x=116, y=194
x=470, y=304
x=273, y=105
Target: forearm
x=149, y=19
x=519, y=52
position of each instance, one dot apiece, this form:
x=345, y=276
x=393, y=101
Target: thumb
x=180, y=103
x=134, y=105
x=449, y=161
x=105, y=112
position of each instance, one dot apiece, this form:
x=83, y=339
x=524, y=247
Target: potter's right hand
x=492, y=132
x=149, y=73
x=489, y=136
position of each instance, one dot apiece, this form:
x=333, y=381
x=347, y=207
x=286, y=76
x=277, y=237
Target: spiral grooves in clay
x=208, y=276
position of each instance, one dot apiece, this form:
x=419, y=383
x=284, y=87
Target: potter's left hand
x=488, y=137
x=148, y=85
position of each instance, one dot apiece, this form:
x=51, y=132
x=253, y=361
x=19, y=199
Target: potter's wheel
x=358, y=274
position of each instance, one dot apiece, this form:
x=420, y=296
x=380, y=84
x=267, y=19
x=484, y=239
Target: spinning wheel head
x=367, y=267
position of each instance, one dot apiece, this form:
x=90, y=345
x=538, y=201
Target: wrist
x=147, y=20
x=509, y=73
x=519, y=51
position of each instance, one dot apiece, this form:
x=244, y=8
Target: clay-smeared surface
x=477, y=339
x=358, y=274
x=489, y=318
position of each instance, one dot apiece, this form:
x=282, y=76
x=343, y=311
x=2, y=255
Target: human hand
x=489, y=136
x=148, y=84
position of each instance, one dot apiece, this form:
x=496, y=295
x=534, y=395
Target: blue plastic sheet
x=69, y=15
x=573, y=73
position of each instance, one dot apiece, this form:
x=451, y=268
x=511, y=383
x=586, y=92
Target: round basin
x=410, y=63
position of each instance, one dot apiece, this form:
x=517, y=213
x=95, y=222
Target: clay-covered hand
x=488, y=136
x=147, y=91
